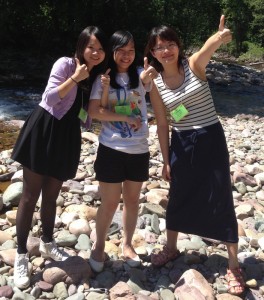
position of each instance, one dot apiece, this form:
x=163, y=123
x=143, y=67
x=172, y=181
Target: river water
x=16, y=104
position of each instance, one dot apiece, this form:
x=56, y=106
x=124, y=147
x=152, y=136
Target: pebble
x=199, y=270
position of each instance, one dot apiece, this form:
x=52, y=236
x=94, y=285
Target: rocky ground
x=199, y=271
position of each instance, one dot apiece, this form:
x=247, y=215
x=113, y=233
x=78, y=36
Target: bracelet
x=74, y=80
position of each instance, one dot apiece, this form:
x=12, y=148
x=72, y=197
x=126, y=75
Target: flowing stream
x=16, y=103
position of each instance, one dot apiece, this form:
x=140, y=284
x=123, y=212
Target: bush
x=252, y=52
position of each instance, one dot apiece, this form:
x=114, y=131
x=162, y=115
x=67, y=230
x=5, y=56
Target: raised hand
x=81, y=71
x=149, y=72
x=105, y=81
x=105, y=78
x=224, y=33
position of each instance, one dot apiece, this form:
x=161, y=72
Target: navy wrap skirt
x=200, y=198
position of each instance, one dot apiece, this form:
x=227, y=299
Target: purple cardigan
x=62, y=69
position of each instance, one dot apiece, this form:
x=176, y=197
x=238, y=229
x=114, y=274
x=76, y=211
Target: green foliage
x=252, y=52
x=238, y=15
x=256, y=31
x=52, y=27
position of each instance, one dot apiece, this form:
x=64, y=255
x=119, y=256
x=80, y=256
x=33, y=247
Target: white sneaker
x=50, y=250
x=21, y=271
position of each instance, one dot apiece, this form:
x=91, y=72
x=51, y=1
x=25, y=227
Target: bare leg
x=232, y=249
x=32, y=184
x=110, y=197
x=50, y=191
x=172, y=240
x=234, y=276
x=131, y=192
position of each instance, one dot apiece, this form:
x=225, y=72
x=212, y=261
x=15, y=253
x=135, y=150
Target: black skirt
x=49, y=146
x=200, y=198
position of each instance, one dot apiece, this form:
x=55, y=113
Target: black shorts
x=114, y=166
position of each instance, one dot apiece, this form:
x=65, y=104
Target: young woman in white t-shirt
x=118, y=101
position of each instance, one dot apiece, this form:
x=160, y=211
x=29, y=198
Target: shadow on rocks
x=74, y=270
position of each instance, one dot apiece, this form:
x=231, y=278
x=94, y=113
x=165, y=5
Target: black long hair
x=118, y=40
x=165, y=33
x=82, y=42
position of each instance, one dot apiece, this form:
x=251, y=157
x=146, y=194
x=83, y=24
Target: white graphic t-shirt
x=120, y=135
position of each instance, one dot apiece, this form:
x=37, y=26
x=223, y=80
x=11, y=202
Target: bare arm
x=162, y=129
x=105, y=81
x=96, y=111
x=199, y=60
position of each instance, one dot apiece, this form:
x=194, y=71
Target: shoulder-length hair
x=83, y=40
x=164, y=33
x=118, y=40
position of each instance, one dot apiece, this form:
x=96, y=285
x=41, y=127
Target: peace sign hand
x=81, y=71
x=224, y=33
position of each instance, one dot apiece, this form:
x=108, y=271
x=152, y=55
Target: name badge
x=83, y=115
x=123, y=110
x=179, y=112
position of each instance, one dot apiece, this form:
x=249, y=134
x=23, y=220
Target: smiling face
x=93, y=53
x=124, y=57
x=166, y=52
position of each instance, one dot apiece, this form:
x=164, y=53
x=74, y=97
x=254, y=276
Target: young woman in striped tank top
x=196, y=159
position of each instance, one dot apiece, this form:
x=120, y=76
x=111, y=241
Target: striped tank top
x=195, y=95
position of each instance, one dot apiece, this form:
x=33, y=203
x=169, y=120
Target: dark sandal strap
x=163, y=256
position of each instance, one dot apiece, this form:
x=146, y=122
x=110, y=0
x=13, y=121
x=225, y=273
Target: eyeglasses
x=170, y=46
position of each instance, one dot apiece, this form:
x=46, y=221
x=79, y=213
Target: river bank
x=201, y=266
x=238, y=93
x=236, y=89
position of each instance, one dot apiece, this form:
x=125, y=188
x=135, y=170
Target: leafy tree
x=52, y=26
x=256, y=31
x=238, y=19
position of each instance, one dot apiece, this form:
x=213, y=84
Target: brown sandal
x=161, y=257
x=235, y=281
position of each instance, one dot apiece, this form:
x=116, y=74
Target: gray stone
x=83, y=242
x=12, y=194
x=77, y=296
x=155, y=223
x=166, y=294
x=60, y=290
x=22, y=296
x=162, y=283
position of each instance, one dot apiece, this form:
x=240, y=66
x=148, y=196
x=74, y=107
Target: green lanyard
x=83, y=115
x=122, y=108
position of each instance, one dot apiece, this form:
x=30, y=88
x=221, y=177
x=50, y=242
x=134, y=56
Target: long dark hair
x=118, y=40
x=82, y=42
x=165, y=33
